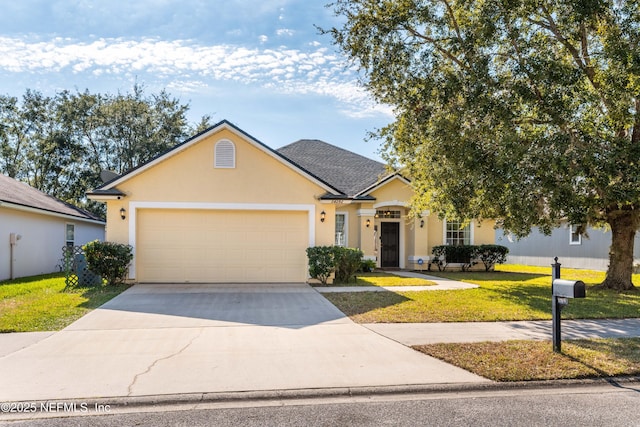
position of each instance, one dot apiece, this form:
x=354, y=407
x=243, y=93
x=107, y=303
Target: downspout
x=13, y=240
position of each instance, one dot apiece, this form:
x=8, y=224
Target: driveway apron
x=198, y=338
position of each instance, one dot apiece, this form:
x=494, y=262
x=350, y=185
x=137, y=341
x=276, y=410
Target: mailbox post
x=561, y=291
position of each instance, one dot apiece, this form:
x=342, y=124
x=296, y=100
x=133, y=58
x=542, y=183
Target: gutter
x=29, y=209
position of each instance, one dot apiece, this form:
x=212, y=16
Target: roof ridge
x=345, y=170
x=353, y=153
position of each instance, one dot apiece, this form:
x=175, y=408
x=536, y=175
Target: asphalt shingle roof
x=19, y=193
x=342, y=169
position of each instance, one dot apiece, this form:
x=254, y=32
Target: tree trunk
x=623, y=230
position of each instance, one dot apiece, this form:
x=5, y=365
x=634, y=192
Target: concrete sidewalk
x=431, y=333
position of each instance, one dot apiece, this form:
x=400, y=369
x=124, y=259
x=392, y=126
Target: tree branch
x=434, y=42
x=456, y=27
x=575, y=53
x=635, y=133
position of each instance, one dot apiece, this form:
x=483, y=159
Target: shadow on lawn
x=625, y=350
x=353, y=303
x=30, y=279
x=98, y=295
x=487, y=276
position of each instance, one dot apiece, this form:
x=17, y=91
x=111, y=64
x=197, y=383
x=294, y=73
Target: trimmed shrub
x=109, y=260
x=367, y=265
x=455, y=253
x=347, y=262
x=490, y=255
x=321, y=263
x=324, y=260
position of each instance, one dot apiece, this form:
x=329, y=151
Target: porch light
x=322, y=216
x=122, y=213
x=368, y=223
x=421, y=223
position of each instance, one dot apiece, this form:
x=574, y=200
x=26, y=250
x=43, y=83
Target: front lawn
x=511, y=293
x=535, y=360
x=39, y=304
x=379, y=278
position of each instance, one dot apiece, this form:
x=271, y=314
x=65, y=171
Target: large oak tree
x=526, y=111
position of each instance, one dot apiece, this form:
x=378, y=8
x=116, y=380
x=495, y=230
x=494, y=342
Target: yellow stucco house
x=224, y=207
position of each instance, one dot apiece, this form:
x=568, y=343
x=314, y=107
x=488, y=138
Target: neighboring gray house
x=34, y=227
x=573, y=250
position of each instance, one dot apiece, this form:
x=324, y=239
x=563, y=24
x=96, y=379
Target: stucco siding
x=392, y=192
x=484, y=232
x=190, y=176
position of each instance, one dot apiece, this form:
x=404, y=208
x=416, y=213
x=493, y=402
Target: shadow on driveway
x=288, y=305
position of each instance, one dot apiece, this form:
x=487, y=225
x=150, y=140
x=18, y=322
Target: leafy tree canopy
x=525, y=111
x=60, y=144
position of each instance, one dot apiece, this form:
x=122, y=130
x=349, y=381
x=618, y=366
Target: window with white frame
x=575, y=238
x=224, y=155
x=70, y=235
x=341, y=229
x=456, y=234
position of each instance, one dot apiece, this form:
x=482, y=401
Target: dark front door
x=390, y=244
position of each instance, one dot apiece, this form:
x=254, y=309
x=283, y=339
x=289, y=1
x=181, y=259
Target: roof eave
x=31, y=209
x=383, y=181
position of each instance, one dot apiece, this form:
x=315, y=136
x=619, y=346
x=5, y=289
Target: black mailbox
x=568, y=288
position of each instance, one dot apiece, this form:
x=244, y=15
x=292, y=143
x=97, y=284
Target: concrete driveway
x=167, y=339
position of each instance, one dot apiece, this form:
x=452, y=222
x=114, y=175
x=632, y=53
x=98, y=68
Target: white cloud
x=284, y=32
x=189, y=67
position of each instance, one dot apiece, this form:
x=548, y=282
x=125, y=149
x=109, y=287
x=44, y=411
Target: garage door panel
x=221, y=246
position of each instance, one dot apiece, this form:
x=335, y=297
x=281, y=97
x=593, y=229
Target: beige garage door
x=204, y=246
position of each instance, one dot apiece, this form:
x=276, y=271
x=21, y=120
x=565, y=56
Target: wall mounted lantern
x=322, y=216
x=122, y=213
x=421, y=223
x=368, y=223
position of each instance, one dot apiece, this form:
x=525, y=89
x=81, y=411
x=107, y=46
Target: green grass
x=379, y=278
x=535, y=360
x=511, y=293
x=39, y=303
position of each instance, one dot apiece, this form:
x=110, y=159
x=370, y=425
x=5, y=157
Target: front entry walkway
x=441, y=284
x=171, y=339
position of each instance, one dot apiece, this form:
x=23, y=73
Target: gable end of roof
x=110, y=185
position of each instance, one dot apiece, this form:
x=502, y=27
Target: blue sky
x=260, y=64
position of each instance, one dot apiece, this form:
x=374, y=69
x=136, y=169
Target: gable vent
x=225, y=155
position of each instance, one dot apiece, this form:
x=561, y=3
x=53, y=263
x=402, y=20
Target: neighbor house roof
x=16, y=194
x=349, y=172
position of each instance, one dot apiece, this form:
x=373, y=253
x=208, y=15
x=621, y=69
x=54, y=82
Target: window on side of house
x=224, y=155
x=575, y=238
x=70, y=234
x=341, y=229
x=456, y=235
